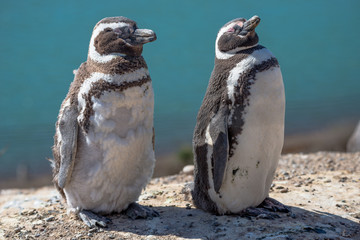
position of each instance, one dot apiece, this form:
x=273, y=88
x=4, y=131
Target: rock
x=50, y=219
x=353, y=145
x=188, y=169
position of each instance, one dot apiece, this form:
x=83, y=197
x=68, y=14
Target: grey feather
x=68, y=127
x=219, y=133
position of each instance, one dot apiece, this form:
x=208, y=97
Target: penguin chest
x=115, y=158
x=255, y=147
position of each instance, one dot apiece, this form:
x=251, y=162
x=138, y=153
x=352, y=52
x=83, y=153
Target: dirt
x=322, y=189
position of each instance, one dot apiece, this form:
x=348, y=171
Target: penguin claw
x=259, y=213
x=135, y=211
x=274, y=205
x=93, y=220
x=266, y=210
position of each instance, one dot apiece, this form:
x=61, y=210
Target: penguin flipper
x=219, y=134
x=68, y=127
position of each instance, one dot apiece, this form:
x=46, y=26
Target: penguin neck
x=118, y=65
x=240, y=55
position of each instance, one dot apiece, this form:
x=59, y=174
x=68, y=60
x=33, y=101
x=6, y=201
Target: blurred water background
x=316, y=43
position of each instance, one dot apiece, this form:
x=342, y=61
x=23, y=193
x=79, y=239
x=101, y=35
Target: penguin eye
x=237, y=28
x=122, y=30
x=107, y=29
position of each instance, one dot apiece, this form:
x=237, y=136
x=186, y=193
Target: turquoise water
x=316, y=43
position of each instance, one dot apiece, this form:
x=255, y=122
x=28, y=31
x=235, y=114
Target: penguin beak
x=142, y=36
x=250, y=25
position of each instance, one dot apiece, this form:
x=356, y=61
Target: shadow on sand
x=193, y=223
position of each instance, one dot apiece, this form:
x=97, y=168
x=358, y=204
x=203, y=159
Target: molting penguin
x=104, y=140
x=240, y=126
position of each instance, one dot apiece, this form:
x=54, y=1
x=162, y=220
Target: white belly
x=115, y=160
x=250, y=171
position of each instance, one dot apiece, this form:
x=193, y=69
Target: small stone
x=355, y=215
x=280, y=187
x=297, y=185
x=188, y=169
x=37, y=222
x=50, y=219
x=343, y=179
x=32, y=212
x=216, y=224
x=291, y=214
x=284, y=190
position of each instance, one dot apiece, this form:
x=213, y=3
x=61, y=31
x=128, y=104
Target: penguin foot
x=135, y=211
x=274, y=205
x=258, y=213
x=93, y=220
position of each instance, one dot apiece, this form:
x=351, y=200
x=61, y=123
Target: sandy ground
x=322, y=189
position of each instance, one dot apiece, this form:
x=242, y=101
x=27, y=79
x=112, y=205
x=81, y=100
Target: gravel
x=322, y=190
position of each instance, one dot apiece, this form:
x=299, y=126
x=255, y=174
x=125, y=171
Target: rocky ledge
x=322, y=189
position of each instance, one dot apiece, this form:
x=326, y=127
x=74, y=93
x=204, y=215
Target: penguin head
x=118, y=36
x=237, y=35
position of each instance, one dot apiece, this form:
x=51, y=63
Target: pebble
x=37, y=222
x=50, y=219
x=343, y=179
x=284, y=190
x=188, y=169
x=355, y=215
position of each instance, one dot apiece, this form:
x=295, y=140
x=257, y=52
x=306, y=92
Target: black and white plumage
x=104, y=141
x=240, y=126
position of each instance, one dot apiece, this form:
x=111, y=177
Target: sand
x=322, y=189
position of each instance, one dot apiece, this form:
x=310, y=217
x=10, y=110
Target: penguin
x=103, y=153
x=239, y=131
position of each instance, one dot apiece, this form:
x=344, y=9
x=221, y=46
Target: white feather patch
x=208, y=138
x=93, y=54
x=116, y=78
x=257, y=57
x=209, y=141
